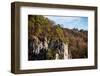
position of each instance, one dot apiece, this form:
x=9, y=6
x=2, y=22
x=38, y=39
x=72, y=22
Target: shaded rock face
x=58, y=48
x=42, y=49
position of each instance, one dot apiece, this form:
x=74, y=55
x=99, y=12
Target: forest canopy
x=42, y=26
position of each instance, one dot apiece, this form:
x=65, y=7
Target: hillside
x=77, y=42
x=47, y=40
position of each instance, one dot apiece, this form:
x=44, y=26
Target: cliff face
x=42, y=49
x=67, y=55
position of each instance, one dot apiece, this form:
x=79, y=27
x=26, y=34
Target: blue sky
x=71, y=21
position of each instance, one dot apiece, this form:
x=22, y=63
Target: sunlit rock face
x=66, y=53
x=57, y=56
x=42, y=49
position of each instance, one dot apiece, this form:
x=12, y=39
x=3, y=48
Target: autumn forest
x=49, y=40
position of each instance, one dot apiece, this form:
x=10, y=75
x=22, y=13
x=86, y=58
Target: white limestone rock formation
x=66, y=53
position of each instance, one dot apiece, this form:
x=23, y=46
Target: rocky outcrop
x=42, y=49
x=67, y=55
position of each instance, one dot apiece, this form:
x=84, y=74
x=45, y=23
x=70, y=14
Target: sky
x=70, y=21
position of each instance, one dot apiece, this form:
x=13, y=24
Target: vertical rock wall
x=66, y=54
